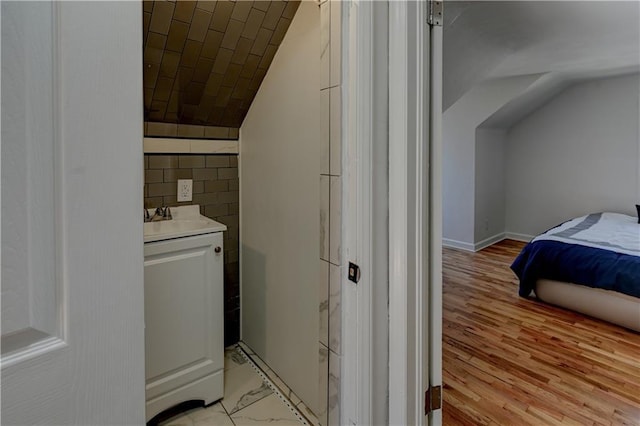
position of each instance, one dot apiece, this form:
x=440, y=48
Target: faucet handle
x=147, y=216
x=167, y=213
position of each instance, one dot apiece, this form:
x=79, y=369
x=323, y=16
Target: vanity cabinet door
x=183, y=314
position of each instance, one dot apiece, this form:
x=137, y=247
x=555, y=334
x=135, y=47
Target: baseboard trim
x=489, y=241
x=446, y=242
x=518, y=237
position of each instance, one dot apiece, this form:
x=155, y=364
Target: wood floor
x=513, y=361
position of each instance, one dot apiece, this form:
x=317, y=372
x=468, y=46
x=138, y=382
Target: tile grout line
x=226, y=412
x=293, y=408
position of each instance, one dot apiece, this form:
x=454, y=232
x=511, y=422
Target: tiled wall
x=331, y=268
x=190, y=131
x=216, y=190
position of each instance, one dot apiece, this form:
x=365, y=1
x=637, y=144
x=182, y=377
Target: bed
x=590, y=264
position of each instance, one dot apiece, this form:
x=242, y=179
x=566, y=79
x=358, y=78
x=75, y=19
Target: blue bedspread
x=595, y=250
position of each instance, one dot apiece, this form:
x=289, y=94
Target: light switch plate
x=185, y=190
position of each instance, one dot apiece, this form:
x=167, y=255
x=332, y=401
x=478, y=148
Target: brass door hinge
x=432, y=399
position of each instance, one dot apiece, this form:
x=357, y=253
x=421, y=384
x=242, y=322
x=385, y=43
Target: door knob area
x=217, y=249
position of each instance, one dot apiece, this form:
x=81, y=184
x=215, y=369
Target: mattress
x=600, y=250
x=590, y=264
x=617, y=308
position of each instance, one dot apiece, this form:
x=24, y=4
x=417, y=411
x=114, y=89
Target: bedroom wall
x=459, y=159
x=576, y=155
x=280, y=210
x=490, y=186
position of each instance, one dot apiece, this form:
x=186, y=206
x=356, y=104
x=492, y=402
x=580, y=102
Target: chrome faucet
x=164, y=213
x=167, y=213
x=161, y=213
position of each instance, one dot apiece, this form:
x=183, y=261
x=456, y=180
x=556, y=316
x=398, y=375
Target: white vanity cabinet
x=183, y=312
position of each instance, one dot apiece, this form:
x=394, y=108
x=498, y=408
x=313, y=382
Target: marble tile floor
x=248, y=399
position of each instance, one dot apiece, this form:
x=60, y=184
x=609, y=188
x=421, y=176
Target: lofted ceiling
x=204, y=61
x=570, y=39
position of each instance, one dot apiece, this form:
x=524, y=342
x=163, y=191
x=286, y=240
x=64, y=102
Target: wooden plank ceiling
x=204, y=61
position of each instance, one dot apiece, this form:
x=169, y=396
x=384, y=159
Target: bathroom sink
x=187, y=221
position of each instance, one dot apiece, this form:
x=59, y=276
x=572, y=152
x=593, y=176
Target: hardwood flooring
x=514, y=361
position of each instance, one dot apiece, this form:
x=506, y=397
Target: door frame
x=408, y=213
x=365, y=237
x=411, y=64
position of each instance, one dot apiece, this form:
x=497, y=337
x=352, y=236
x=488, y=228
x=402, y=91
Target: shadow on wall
x=253, y=303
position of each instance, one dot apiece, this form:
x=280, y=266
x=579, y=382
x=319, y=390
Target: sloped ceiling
x=496, y=39
x=204, y=61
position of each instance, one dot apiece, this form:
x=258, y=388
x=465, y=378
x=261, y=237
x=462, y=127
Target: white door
x=72, y=251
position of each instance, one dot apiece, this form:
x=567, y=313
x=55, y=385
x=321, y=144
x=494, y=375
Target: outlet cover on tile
x=185, y=190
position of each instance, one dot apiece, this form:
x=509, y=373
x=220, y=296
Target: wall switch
x=185, y=190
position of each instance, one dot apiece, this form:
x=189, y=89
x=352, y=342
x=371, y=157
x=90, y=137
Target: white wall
x=576, y=155
x=279, y=161
x=459, y=133
x=490, y=184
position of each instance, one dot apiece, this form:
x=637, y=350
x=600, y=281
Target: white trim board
x=365, y=237
x=488, y=241
x=518, y=237
x=462, y=245
x=189, y=146
x=409, y=214
x=446, y=242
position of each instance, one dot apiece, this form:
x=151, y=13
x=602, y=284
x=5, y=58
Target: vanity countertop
x=187, y=221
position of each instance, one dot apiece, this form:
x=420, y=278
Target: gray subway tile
x=163, y=161
x=228, y=197
x=216, y=186
x=152, y=202
x=153, y=176
x=211, y=132
x=190, y=131
x=234, y=184
x=162, y=189
x=233, y=256
x=171, y=200
x=229, y=220
x=215, y=210
x=205, y=174
x=217, y=161
x=228, y=173
x=191, y=161
x=206, y=198
x=161, y=129
x=172, y=175
x=198, y=187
